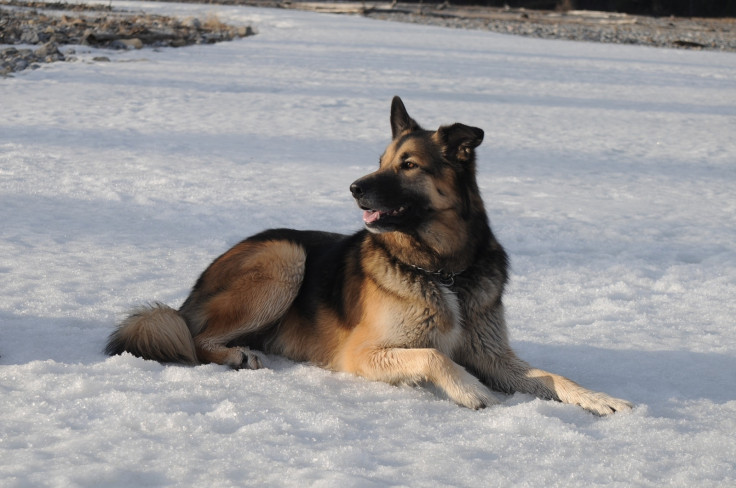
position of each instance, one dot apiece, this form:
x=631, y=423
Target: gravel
x=667, y=32
x=50, y=25
x=579, y=25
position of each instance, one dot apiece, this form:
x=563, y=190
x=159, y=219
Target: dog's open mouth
x=371, y=216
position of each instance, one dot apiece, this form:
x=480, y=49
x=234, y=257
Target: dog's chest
x=432, y=319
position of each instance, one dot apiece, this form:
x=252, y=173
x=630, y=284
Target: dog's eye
x=408, y=165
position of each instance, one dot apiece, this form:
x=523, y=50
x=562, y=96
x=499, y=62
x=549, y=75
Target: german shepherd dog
x=414, y=297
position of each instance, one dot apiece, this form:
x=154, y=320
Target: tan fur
x=379, y=348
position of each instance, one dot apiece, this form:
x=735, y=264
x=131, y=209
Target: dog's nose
x=356, y=190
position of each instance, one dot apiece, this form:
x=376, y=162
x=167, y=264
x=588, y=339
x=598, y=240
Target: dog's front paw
x=602, y=404
x=471, y=393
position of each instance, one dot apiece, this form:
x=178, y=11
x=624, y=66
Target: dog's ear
x=400, y=120
x=459, y=141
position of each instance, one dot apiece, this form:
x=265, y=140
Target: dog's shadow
x=644, y=377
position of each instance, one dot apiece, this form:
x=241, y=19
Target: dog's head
x=424, y=176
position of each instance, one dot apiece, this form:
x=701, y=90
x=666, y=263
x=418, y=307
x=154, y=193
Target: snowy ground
x=609, y=173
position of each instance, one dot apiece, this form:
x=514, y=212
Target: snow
x=609, y=175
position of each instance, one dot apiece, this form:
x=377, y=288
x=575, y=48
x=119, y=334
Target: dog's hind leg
x=248, y=288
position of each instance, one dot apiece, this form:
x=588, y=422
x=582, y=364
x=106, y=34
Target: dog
x=415, y=296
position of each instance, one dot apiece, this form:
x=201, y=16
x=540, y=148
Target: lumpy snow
x=608, y=172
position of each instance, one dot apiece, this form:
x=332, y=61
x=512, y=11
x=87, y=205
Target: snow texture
x=609, y=173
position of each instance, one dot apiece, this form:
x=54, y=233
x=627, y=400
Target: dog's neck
x=436, y=250
x=446, y=278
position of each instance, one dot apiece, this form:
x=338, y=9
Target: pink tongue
x=371, y=216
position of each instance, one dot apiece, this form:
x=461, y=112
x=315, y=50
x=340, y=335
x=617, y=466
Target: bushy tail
x=155, y=332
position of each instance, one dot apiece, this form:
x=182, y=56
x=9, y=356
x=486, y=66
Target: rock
x=134, y=43
x=246, y=31
x=29, y=36
x=20, y=64
x=86, y=35
x=46, y=50
x=192, y=22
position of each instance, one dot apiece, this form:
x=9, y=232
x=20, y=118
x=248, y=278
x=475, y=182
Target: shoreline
x=697, y=33
x=50, y=25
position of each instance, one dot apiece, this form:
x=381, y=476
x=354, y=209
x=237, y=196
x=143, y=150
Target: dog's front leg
x=542, y=383
x=506, y=372
x=397, y=365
